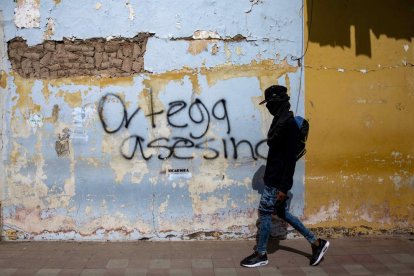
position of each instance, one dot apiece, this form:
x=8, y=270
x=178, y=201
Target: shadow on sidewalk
x=274, y=245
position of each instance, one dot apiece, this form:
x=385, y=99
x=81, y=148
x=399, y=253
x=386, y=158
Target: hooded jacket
x=282, y=142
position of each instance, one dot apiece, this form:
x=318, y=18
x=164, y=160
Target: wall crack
x=362, y=70
x=253, y=3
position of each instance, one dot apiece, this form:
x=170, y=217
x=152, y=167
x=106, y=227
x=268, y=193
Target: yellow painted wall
x=359, y=79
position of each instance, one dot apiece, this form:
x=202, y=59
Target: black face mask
x=274, y=107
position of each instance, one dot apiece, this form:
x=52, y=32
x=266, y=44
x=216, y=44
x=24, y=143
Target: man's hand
x=281, y=196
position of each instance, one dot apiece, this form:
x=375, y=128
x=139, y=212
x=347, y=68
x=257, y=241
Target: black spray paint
x=198, y=113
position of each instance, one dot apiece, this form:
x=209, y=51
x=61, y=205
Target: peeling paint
x=324, y=214
x=62, y=145
x=35, y=121
x=227, y=51
x=239, y=51
x=3, y=79
x=27, y=14
x=11, y=234
x=55, y=113
x=396, y=179
x=214, y=49
x=164, y=205
x=253, y=2
x=69, y=180
x=72, y=99
x=50, y=29
x=406, y=47
x=195, y=47
x=206, y=35
x=130, y=9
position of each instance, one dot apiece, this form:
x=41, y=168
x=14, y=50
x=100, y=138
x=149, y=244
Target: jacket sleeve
x=289, y=156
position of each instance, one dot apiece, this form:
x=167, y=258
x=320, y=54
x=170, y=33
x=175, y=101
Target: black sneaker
x=318, y=251
x=255, y=260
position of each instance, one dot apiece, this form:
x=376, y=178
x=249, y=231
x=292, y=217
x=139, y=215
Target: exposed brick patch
x=70, y=58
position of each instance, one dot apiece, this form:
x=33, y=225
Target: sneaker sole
x=256, y=264
x=324, y=249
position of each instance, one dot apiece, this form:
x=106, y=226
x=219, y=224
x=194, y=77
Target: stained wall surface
x=126, y=120
x=360, y=101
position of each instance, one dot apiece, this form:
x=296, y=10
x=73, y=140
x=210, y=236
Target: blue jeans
x=267, y=207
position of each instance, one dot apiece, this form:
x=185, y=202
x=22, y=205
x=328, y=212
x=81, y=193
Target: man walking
x=282, y=137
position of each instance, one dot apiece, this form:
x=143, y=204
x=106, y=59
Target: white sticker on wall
x=80, y=117
x=175, y=174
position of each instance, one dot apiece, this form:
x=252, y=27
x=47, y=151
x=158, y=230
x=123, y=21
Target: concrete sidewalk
x=346, y=256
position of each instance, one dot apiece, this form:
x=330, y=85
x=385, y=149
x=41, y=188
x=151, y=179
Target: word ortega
x=199, y=119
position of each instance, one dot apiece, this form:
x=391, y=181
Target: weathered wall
x=169, y=148
x=360, y=100
x=129, y=120
x=3, y=93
